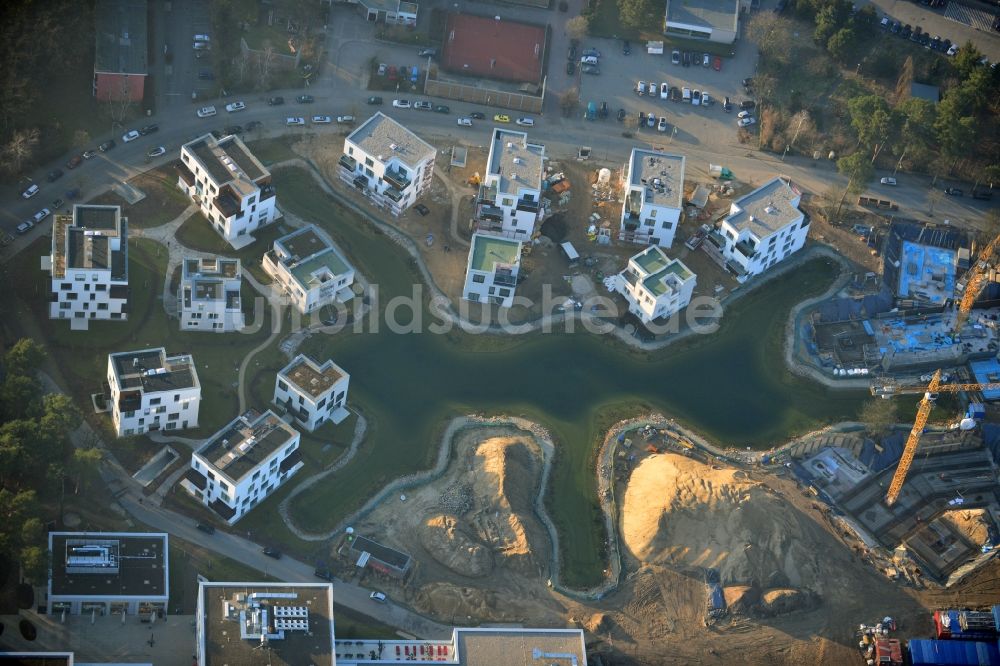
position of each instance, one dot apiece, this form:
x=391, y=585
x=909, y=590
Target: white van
x=589, y=60
x=686, y=94
x=206, y=111
x=201, y=38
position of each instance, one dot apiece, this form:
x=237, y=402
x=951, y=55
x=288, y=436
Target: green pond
x=731, y=386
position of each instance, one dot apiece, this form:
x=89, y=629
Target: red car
x=74, y=162
x=717, y=64
x=392, y=72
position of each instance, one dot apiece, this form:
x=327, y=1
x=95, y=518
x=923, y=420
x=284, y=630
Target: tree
x=916, y=134
x=956, y=131
x=859, y=172
x=20, y=148
x=634, y=14
x=771, y=34
x=24, y=357
x=576, y=27
x=904, y=81
x=829, y=20
x=966, y=59
x=568, y=101
x=841, y=43
x=878, y=415
x=81, y=138
x=872, y=119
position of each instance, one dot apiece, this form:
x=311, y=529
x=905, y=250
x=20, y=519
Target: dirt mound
x=740, y=599
x=597, y=623
x=448, y=542
x=785, y=600
x=973, y=523
x=683, y=513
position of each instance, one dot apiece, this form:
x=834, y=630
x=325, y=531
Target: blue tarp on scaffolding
x=987, y=372
x=892, y=449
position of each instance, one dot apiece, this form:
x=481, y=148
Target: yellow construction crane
x=930, y=392
x=975, y=280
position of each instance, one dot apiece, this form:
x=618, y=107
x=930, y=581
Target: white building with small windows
x=387, y=163
x=763, y=228
x=208, y=298
x=239, y=466
x=491, y=274
x=230, y=186
x=312, y=393
x=89, y=265
x=149, y=390
x=510, y=197
x=655, y=285
x=309, y=270
x=654, y=197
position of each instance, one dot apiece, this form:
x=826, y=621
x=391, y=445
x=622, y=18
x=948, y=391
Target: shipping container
x=965, y=625
x=888, y=651
x=953, y=653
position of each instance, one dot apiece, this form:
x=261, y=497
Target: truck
x=591, y=110
x=720, y=172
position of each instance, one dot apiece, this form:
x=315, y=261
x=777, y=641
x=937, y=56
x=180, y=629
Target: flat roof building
x=108, y=573
x=231, y=186
x=312, y=393
x=208, y=298
x=243, y=463
x=510, y=197
x=120, y=65
x=265, y=624
x=491, y=274
x=309, y=269
x=655, y=285
x=148, y=390
x=712, y=20
x=387, y=163
x=88, y=265
x=653, y=184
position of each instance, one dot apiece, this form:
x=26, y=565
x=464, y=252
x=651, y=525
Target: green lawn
x=163, y=201
x=197, y=233
x=352, y=624
x=188, y=560
x=269, y=151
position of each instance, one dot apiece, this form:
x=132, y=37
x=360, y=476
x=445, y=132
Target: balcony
x=488, y=212
x=504, y=277
x=185, y=174
x=528, y=206
x=361, y=182
x=226, y=204
x=745, y=249
x=348, y=162
x=630, y=221
x=397, y=179
x=267, y=192
x=487, y=194
x=232, y=300
x=393, y=193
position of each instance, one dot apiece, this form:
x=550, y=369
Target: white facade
x=510, y=197
x=655, y=286
x=491, y=274
x=149, y=391
x=312, y=393
x=89, y=265
x=711, y=20
x=231, y=187
x=108, y=573
x=208, y=298
x=653, y=184
x=763, y=228
x=387, y=163
x=239, y=466
x=309, y=270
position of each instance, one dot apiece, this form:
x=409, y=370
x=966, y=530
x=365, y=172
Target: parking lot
x=696, y=125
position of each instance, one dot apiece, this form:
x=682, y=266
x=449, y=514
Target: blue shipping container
x=953, y=653
x=996, y=617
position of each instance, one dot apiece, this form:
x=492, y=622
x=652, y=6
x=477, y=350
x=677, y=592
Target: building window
x=369, y=162
x=479, y=279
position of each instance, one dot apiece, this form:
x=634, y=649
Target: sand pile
x=972, y=523
x=449, y=543
x=682, y=513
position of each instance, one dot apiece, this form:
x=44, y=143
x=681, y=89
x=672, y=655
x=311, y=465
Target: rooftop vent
x=770, y=208
x=517, y=160
x=394, y=146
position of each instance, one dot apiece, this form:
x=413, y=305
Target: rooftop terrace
x=514, y=162
x=660, y=176
x=108, y=564
x=87, y=239
x=769, y=208
x=245, y=443
x=488, y=251
x=384, y=138
x=151, y=370
x=227, y=161
x=310, y=377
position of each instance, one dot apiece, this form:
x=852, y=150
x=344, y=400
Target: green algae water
x=731, y=386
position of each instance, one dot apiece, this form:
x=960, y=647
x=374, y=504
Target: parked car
x=717, y=64
x=953, y=191
x=291, y=122
x=590, y=69
x=570, y=67
x=275, y=101
x=695, y=98
x=602, y=113
x=589, y=60
x=571, y=52
x=477, y=115
x=675, y=94
x=621, y=115
x=374, y=100
x=426, y=53
x=686, y=94
x=423, y=106
x=745, y=122
x=651, y=120
x=233, y=107
x=206, y=528
x=107, y=145
x=401, y=103
x=73, y=194
x=206, y=112
x=727, y=106
x=156, y=152
x=272, y=552
x=662, y=125
x=323, y=573
x=748, y=104
x=322, y=120
x=686, y=59
x=527, y=122
x=594, y=53
x=464, y=122
x=146, y=130
x=664, y=90
x=501, y=118
x=952, y=50
x=422, y=209
x=130, y=135
x=652, y=89
x=743, y=114
x=89, y=154
x=675, y=57
x=57, y=203
x=344, y=120
x=200, y=38
x=378, y=596
x=706, y=99
x=41, y=215
x=626, y=48
x=706, y=60
x=305, y=99
x=886, y=180
x=56, y=174
x=441, y=108
x=24, y=227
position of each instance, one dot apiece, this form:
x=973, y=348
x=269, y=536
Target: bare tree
x=878, y=415
x=569, y=100
x=81, y=138
x=264, y=62
x=118, y=107
x=20, y=148
x=577, y=27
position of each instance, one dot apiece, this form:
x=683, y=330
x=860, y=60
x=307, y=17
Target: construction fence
x=487, y=96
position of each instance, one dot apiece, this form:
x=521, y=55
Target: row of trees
x=37, y=461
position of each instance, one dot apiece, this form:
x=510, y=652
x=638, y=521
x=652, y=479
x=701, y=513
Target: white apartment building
x=312, y=393
x=509, y=201
x=655, y=285
x=762, y=228
x=654, y=197
x=239, y=466
x=491, y=274
x=309, y=270
x=229, y=184
x=208, y=298
x=89, y=265
x=387, y=163
x=149, y=390
x=109, y=573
